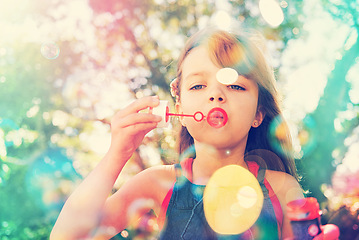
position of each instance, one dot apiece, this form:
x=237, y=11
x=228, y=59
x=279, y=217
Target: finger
x=142, y=128
x=140, y=104
x=138, y=118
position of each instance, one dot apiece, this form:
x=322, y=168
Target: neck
x=209, y=159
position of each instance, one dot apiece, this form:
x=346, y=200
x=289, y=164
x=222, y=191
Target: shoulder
x=158, y=172
x=159, y=177
x=154, y=182
x=150, y=184
x=141, y=193
x=284, y=185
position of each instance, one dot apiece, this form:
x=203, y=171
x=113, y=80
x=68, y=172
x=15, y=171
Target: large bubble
x=217, y=117
x=190, y=152
x=303, y=136
x=306, y=138
x=142, y=225
x=265, y=158
x=232, y=200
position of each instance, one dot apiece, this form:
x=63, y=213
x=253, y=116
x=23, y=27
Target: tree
x=318, y=166
x=67, y=66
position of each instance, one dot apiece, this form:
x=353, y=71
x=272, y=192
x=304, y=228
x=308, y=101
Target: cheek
x=190, y=103
x=245, y=111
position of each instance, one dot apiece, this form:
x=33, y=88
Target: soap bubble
x=142, y=221
x=263, y=158
x=304, y=136
x=232, y=200
x=183, y=176
x=217, y=117
x=278, y=136
x=50, y=50
x=190, y=152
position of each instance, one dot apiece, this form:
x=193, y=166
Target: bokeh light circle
x=5, y=173
x=232, y=200
x=271, y=12
x=227, y=76
x=50, y=50
x=9, y=130
x=247, y=196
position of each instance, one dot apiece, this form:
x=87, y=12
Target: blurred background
x=67, y=66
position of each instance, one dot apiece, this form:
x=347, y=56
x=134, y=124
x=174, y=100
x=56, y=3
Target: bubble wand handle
x=216, y=117
x=198, y=116
x=179, y=115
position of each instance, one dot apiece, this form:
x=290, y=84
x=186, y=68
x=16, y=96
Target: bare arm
x=83, y=211
x=143, y=192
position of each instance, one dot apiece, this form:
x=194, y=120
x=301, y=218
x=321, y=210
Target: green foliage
x=111, y=52
x=319, y=166
x=345, y=11
x=20, y=217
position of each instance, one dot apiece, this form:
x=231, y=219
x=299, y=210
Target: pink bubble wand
x=197, y=116
x=216, y=117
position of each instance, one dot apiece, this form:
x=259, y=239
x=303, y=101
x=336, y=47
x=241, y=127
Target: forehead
x=197, y=61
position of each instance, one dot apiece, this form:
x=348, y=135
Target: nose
x=220, y=99
x=216, y=95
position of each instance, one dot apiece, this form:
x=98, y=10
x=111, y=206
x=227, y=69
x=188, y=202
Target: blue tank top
x=185, y=217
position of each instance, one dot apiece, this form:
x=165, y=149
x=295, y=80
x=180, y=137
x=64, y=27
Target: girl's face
x=200, y=91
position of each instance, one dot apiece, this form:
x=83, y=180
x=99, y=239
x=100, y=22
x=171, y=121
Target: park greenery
x=67, y=66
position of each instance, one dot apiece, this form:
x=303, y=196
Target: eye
x=236, y=87
x=197, y=87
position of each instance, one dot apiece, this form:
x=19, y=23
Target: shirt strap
x=260, y=177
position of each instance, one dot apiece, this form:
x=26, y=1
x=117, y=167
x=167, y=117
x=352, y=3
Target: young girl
x=250, y=103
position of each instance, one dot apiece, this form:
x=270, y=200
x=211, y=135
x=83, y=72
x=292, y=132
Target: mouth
x=217, y=117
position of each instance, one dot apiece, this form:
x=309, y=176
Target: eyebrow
x=243, y=77
x=195, y=74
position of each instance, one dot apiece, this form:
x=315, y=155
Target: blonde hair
x=243, y=54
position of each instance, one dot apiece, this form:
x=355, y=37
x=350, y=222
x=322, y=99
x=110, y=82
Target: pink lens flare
x=217, y=117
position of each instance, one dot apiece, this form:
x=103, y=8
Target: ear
x=178, y=107
x=258, y=119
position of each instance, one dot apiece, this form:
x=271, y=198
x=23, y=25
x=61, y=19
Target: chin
x=219, y=141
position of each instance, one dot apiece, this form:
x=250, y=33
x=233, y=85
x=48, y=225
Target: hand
x=329, y=232
x=129, y=126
